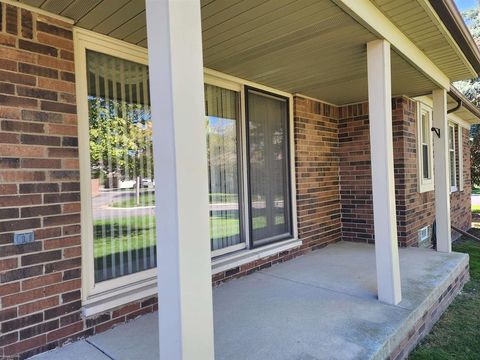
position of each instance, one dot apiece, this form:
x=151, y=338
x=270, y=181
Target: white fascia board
x=367, y=14
x=433, y=15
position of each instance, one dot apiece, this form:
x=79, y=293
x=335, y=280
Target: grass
x=131, y=233
x=456, y=335
x=476, y=209
x=111, y=235
x=148, y=199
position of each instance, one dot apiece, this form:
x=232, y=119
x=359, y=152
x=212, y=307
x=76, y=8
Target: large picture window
x=121, y=164
x=116, y=172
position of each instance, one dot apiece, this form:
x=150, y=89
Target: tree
x=471, y=90
x=120, y=141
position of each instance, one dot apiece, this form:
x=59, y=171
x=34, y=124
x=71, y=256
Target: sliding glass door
x=268, y=167
x=250, y=194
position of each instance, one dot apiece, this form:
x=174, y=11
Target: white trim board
x=365, y=12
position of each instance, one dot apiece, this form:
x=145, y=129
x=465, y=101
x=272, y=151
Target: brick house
x=296, y=95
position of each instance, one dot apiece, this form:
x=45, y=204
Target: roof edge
x=467, y=104
x=452, y=18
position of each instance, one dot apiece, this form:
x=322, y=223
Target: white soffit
x=299, y=46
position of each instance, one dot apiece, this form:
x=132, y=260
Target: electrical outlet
x=23, y=237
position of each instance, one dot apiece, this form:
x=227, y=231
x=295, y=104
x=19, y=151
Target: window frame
x=97, y=297
x=453, y=187
x=460, y=184
x=105, y=295
x=424, y=185
x=237, y=88
x=216, y=78
x=281, y=237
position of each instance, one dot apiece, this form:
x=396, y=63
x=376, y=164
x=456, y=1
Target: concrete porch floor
x=318, y=306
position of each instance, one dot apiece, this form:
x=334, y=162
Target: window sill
x=453, y=189
x=242, y=257
x=108, y=300
x=425, y=187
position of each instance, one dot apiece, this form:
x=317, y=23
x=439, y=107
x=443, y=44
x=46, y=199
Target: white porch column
x=383, y=183
x=181, y=191
x=442, y=172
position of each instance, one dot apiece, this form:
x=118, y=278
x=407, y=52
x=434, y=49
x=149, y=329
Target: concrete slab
x=126, y=342
x=80, y=350
x=264, y=317
x=318, y=306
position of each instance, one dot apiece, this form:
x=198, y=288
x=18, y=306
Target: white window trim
x=424, y=185
x=95, y=294
x=461, y=125
x=453, y=187
x=460, y=157
x=97, y=298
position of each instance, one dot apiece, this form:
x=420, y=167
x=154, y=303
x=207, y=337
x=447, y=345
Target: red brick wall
x=40, y=285
x=40, y=282
x=414, y=210
x=318, y=196
x=355, y=173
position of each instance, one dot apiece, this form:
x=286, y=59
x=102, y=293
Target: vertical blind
x=222, y=123
x=120, y=133
x=268, y=167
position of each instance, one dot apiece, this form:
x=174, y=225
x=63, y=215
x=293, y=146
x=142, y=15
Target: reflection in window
x=120, y=131
x=222, y=123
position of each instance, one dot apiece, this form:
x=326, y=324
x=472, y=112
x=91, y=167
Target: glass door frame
x=288, y=192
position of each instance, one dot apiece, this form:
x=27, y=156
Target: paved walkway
x=317, y=306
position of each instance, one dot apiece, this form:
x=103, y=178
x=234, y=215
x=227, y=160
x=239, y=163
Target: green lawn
x=476, y=209
x=146, y=199
x=457, y=333
x=111, y=234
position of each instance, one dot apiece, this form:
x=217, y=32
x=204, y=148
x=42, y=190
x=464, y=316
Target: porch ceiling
x=310, y=47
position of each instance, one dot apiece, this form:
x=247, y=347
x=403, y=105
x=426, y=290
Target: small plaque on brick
x=23, y=237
